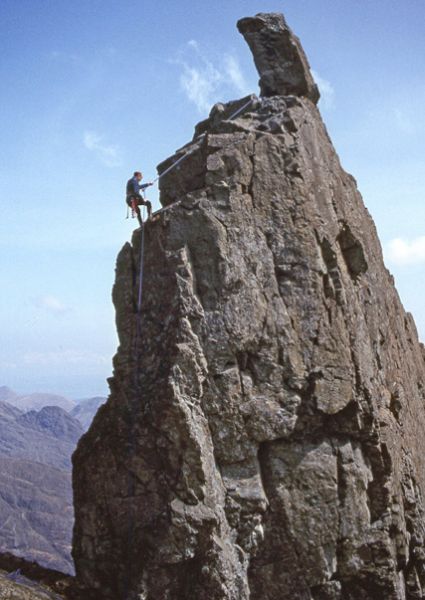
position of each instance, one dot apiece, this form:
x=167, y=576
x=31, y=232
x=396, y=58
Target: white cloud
x=199, y=86
x=235, y=74
x=406, y=252
x=203, y=80
x=51, y=304
x=327, y=92
x=107, y=153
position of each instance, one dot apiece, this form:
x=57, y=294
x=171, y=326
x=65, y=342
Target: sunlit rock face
x=278, y=56
x=264, y=434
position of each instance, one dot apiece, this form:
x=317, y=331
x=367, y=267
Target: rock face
x=24, y=580
x=264, y=434
x=278, y=56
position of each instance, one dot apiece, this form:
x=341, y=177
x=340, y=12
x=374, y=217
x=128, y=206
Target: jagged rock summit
x=278, y=56
x=264, y=434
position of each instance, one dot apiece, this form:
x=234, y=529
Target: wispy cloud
x=51, y=304
x=234, y=75
x=406, y=252
x=327, y=92
x=107, y=153
x=203, y=80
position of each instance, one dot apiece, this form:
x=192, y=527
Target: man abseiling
x=134, y=198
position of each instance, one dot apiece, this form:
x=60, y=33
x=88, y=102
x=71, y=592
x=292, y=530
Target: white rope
x=186, y=155
x=175, y=164
x=235, y=114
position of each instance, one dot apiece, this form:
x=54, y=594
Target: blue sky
x=92, y=90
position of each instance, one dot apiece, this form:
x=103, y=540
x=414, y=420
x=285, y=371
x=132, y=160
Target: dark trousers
x=135, y=202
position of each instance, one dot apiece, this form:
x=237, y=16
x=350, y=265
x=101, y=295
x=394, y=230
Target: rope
x=182, y=158
x=128, y=574
x=175, y=164
x=130, y=491
x=141, y=272
x=178, y=161
x=237, y=112
x=142, y=227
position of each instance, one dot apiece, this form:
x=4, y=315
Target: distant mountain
x=44, y=437
x=86, y=409
x=6, y=394
x=36, y=514
x=39, y=400
x=38, y=434
x=8, y=411
x=54, y=421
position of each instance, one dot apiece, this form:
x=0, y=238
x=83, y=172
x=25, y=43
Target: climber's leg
x=148, y=204
x=138, y=215
x=136, y=210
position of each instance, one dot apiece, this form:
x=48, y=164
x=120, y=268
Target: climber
x=134, y=198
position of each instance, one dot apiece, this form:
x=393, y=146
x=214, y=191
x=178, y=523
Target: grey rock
x=21, y=579
x=278, y=56
x=264, y=434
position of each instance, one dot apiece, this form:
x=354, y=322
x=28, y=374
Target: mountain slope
x=36, y=513
x=23, y=436
x=52, y=420
x=86, y=409
x=7, y=395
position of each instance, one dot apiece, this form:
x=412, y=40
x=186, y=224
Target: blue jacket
x=133, y=187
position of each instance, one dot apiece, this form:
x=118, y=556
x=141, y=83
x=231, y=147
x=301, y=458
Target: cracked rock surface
x=264, y=434
x=278, y=56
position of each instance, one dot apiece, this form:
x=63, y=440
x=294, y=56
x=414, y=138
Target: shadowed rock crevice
x=271, y=421
x=352, y=251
